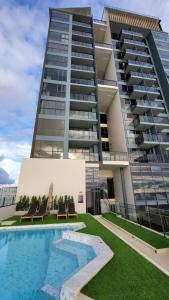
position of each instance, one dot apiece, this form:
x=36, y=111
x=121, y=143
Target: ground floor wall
x=67, y=177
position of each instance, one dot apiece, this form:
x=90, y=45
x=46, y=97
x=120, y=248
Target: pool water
x=35, y=263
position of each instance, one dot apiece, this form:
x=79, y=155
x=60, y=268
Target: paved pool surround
x=71, y=288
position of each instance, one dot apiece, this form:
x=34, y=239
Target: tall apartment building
x=104, y=98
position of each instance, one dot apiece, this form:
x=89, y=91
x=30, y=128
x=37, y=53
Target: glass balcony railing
x=115, y=156
x=99, y=21
x=82, y=33
x=82, y=115
x=83, y=97
x=107, y=82
x=150, y=119
x=133, y=33
x=134, y=42
x=77, y=43
x=157, y=138
x=82, y=67
x=85, y=156
x=82, y=55
x=145, y=89
x=104, y=45
x=82, y=24
x=48, y=154
x=81, y=134
x=83, y=81
x=136, y=52
x=147, y=103
x=142, y=75
x=139, y=63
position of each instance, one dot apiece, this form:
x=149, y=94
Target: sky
x=23, y=32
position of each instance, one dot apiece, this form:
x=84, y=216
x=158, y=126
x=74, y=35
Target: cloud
x=4, y=177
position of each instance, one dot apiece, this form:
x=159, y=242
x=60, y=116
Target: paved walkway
x=160, y=260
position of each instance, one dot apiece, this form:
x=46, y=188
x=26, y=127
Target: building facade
x=104, y=99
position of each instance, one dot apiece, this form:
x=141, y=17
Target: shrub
x=55, y=203
x=23, y=203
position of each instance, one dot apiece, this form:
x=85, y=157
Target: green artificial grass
x=128, y=276
x=146, y=235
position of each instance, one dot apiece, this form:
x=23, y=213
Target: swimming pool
x=35, y=263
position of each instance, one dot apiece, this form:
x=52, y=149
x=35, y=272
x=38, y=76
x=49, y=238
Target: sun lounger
x=71, y=210
x=61, y=211
x=41, y=213
x=31, y=212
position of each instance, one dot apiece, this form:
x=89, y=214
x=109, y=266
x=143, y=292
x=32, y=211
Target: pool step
x=71, y=247
x=50, y=291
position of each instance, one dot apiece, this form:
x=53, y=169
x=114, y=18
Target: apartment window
x=103, y=118
x=59, y=37
x=52, y=107
x=49, y=127
x=60, y=16
x=105, y=146
x=59, y=26
x=60, y=48
x=55, y=90
x=54, y=74
x=56, y=60
x=104, y=132
x=48, y=149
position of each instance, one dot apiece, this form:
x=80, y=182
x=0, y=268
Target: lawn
x=128, y=276
x=148, y=236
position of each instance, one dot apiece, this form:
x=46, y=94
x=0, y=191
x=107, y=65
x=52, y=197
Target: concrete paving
x=160, y=260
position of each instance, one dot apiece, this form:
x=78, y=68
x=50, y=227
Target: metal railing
x=7, y=201
x=80, y=134
x=99, y=21
x=83, y=81
x=150, y=119
x=82, y=33
x=83, y=97
x=145, y=88
x=132, y=33
x=85, y=156
x=136, y=52
x=107, y=82
x=88, y=45
x=83, y=115
x=82, y=55
x=82, y=67
x=142, y=75
x=115, y=156
x=155, y=217
x=148, y=103
x=140, y=63
x=128, y=41
x=104, y=45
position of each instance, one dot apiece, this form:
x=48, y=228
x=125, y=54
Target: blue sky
x=23, y=30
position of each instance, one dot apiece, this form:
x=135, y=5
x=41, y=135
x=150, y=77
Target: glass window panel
x=56, y=60
x=50, y=127
x=57, y=48
x=55, y=90
x=59, y=26
x=54, y=74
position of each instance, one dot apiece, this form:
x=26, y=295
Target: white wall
x=7, y=212
x=67, y=176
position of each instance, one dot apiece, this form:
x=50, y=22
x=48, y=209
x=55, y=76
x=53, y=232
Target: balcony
x=135, y=65
x=81, y=24
x=106, y=92
x=142, y=106
x=82, y=47
x=146, y=122
x=82, y=155
x=85, y=71
x=142, y=91
x=129, y=43
x=146, y=141
x=82, y=58
x=115, y=159
x=82, y=118
x=82, y=34
x=82, y=138
x=139, y=77
x=135, y=54
x=83, y=85
x=82, y=101
x=132, y=34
